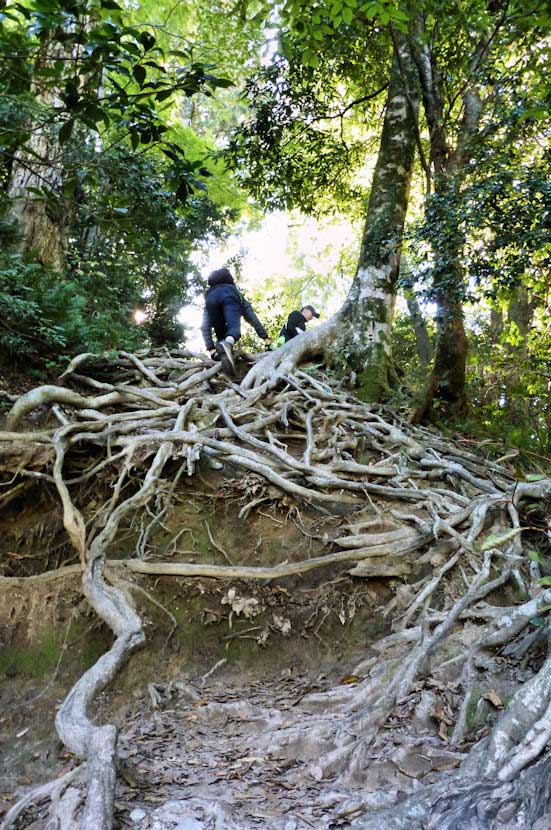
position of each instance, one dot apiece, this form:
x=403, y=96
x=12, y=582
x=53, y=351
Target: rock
x=137, y=814
x=316, y=772
x=385, y=776
x=413, y=764
x=442, y=759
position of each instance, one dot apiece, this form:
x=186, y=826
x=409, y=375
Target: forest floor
x=183, y=736
x=342, y=625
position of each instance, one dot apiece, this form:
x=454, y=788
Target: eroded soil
x=278, y=640
x=226, y=666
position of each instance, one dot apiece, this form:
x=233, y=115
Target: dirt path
x=195, y=758
x=440, y=603
x=196, y=761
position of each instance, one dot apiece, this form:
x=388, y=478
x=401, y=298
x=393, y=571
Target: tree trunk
x=422, y=338
x=359, y=334
x=522, y=307
x=367, y=314
x=446, y=384
x=423, y=342
x=40, y=220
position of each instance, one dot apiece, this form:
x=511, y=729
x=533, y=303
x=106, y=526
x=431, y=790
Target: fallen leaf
x=440, y=714
x=349, y=679
x=282, y=624
x=494, y=698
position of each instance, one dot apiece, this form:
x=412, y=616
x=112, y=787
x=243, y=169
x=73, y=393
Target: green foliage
x=84, y=67
x=135, y=242
x=45, y=318
x=312, y=24
x=132, y=246
x=99, y=94
x=303, y=145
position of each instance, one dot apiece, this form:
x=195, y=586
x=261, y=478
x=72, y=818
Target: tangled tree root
x=141, y=416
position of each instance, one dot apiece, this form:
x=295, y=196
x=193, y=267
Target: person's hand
x=267, y=345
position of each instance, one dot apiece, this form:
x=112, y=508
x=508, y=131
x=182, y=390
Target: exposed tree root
x=160, y=414
x=53, y=790
x=276, y=366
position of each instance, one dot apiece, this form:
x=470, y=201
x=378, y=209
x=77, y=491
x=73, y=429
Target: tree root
x=276, y=365
x=53, y=790
x=172, y=408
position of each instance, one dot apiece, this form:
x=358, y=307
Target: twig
x=216, y=545
x=216, y=666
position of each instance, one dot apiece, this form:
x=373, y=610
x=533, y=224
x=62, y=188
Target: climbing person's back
x=224, y=307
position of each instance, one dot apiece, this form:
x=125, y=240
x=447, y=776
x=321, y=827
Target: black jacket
x=295, y=321
x=218, y=294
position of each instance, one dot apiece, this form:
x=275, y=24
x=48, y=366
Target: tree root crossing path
x=446, y=524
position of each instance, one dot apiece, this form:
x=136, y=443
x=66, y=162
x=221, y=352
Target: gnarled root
x=462, y=519
x=274, y=366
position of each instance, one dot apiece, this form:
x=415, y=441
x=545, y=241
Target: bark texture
x=41, y=221
x=368, y=311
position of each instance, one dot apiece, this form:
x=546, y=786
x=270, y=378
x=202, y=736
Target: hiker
x=224, y=308
x=296, y=323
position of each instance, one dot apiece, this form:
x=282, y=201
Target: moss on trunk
x=369, y=308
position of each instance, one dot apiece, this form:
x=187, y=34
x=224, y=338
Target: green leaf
x=545, y=580
x=347, y=15
x=66, y=131
x=533, y=555
x=147, y=40
x=69, y=187
x=495, y=540
x=139, y=73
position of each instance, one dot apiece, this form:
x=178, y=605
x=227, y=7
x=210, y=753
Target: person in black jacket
x=224, y=308
x=296, y=323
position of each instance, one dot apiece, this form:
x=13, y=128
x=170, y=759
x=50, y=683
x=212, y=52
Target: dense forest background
x=136, y=138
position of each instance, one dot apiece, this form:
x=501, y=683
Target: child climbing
x=224, y=308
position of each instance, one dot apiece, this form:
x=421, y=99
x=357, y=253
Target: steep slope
x=453, y=687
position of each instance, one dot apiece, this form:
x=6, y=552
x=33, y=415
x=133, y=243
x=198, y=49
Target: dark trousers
x=225, y=316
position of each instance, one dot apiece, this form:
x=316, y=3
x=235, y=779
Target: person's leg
x=231, y=311
x=216, y=314
x=232, y=318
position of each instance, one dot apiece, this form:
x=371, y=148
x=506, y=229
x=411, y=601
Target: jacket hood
x=220, y=277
